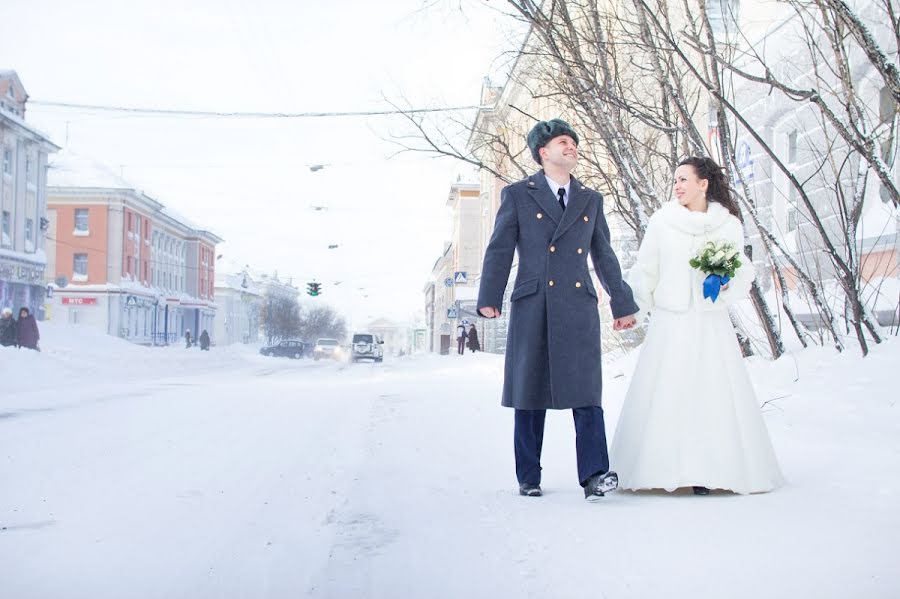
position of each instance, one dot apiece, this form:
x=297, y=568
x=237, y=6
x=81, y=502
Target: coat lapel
x=540, y=193
x=574, y=208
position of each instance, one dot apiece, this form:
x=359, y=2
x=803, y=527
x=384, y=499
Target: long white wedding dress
x=691, y=416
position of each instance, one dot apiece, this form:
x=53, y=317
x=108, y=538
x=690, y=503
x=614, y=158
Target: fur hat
x=541, y=134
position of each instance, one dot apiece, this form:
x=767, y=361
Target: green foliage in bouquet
x=718, y=258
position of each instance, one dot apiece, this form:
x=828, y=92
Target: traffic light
x=313, y=289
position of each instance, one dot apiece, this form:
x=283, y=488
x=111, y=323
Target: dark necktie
x=561, y=192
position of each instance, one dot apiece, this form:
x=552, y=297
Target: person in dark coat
x=187, y=339
x=204, y=341
x=27, y=330
x=473, y=344
x=8, y=329
x=461, y=339
x=553, y=339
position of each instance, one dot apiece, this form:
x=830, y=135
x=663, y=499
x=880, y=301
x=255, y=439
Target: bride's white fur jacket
x=663, y=277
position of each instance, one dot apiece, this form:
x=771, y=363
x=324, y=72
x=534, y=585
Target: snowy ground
x=139, y=472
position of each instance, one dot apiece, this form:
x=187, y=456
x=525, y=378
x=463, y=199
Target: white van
x=366, y=346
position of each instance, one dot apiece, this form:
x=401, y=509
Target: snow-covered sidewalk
x=244, y=476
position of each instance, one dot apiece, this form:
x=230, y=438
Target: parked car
x=367, y=346
x=327, y=348
x=288, y=348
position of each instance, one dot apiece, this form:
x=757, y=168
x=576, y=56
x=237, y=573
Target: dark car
x=288, y=349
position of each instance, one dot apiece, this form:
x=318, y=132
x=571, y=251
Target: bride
x=691, y=417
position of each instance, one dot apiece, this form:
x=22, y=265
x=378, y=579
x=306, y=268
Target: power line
x=164, y=112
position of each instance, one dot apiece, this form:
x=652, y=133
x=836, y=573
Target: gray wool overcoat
x=553, y=340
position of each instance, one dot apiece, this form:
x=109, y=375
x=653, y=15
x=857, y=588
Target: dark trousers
x=461, y=345
x=590, y=444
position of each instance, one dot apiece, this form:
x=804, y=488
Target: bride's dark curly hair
x=719, y=190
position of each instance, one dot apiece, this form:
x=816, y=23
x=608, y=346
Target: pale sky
x=247, y=180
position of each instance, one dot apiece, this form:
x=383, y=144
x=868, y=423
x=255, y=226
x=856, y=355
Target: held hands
x=489, y=312
x=626, y=323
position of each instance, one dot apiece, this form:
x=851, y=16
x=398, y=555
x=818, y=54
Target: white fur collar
x=694, y=223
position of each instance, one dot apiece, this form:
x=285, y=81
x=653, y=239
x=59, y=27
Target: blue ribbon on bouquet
x=712, y=285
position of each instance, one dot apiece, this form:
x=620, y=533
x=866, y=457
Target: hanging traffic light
x=313, y=289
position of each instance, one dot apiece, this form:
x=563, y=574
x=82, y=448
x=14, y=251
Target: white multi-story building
x=23, y=201
x=240, y=300
x=452, y=292
x=801, y=138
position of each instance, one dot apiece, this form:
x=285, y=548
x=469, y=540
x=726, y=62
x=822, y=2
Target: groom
x=553, y=340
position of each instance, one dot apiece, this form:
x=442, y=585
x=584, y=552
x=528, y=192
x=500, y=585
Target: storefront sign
x=79, y=301
x=20, y=273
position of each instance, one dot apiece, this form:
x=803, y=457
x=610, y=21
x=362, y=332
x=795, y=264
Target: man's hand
x=489, y=312
x=625, y=323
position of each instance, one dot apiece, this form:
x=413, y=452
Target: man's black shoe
x=600, y=484
x=529, y=490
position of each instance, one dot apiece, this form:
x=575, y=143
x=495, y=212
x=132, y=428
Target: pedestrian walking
x=27, y=334
x=8, y=332
x=474, y=344
x=461, y=339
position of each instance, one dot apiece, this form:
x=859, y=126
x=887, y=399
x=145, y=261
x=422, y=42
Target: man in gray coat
x=553, y=341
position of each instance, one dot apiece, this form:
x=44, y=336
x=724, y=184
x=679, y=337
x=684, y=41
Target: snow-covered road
x=276, y=478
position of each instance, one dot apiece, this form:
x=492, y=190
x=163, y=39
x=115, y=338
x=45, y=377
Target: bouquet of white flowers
x=719, y=260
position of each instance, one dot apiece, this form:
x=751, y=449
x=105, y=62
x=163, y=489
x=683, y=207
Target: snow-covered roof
x=36, y=133
x=70, y=168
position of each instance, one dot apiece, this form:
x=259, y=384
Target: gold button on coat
x=552, y=248
x=580, y=251
x=539, y=215
x=578, y=284
x=551, y=283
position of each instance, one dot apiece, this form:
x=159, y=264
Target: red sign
x=80, y=301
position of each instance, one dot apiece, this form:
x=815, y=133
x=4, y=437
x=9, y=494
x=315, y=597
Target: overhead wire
x=166, y=112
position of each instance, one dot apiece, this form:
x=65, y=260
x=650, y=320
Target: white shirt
x=554, y=187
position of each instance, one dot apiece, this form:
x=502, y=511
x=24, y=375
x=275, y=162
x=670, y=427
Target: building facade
x=24, y=153
x=121, y=261
x=810, y=148
x=240, y=300
x=451, y=293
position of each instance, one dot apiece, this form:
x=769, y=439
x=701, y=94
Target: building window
x=887, y=147
x=7, y=161
x=792, y=147
x=29, y=230
x=79, y=266
x=81, y=221
x=7, y=241
x=886, y=105
x=10, y=91
x=792, y=220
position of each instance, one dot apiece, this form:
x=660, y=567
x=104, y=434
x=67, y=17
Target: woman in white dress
x=691, y=417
